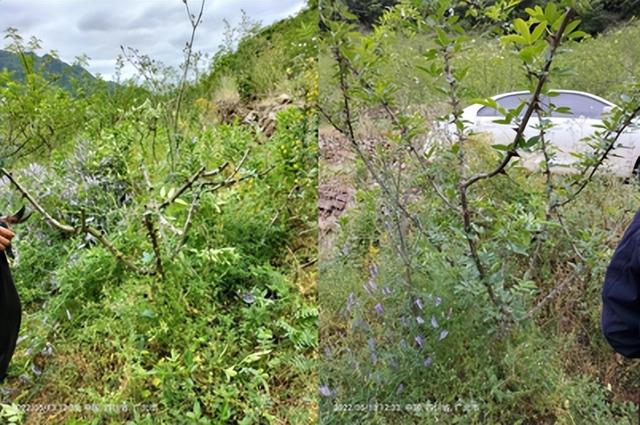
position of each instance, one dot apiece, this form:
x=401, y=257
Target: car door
x=572, y=129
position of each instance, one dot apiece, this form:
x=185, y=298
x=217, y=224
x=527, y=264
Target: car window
x=580, y=105
x=507, y=102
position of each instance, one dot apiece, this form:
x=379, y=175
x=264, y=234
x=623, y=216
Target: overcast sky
x=159, y=28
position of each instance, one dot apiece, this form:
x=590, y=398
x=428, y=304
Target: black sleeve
x=620, y=295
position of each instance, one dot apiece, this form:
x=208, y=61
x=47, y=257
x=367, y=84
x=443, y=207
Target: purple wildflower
x=350, y=302
x=36, y=370
x=434, y=322
x=372, y=344
x=379, y=308
x=419, y=303
x=420, y=320
x=327, y=352
x=443, y=335
x=248, y=298
x=428, y=361
x=420, y=341
x=372, y=284
x=400, y=389
x=386, y=291
x=325, y=391
x=438, y=301
x=373, y=270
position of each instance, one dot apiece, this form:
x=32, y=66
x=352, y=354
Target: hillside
x=61, y=72
x=193, y=298
x=270, y=62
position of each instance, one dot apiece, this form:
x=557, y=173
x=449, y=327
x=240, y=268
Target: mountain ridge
x=63, y=73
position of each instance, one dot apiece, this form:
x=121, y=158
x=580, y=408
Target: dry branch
x=199, y=174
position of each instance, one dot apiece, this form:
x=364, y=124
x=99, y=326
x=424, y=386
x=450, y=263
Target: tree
x=368, y=12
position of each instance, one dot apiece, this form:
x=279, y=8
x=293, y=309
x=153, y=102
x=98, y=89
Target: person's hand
x=5, y=237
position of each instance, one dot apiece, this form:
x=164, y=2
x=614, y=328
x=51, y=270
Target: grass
x=604, y=65
x=556, y=369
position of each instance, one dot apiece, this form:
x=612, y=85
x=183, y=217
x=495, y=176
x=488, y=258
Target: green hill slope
x=61, y=72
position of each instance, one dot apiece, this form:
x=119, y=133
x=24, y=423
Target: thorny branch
x=153, y=237
x=397, y=122
x=349, y=132
x=83, y=228
x=616, y=133
x=202, y=172
x=203, y=187
x=466, y=183
x=464, y=209
x=535, y=99
x=548, y=298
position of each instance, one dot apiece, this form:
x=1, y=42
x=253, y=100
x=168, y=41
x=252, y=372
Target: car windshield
x=579, y=105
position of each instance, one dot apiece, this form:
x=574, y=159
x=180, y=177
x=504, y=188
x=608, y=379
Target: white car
x=567, y=134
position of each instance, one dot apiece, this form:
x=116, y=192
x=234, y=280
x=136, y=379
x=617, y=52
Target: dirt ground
x=336, y=190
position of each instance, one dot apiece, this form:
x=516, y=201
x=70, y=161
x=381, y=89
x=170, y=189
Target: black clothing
x=10, y=316
x=621, y=294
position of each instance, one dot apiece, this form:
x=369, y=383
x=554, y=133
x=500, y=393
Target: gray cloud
x=158, y=28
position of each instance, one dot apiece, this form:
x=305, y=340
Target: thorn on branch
x=153, y=237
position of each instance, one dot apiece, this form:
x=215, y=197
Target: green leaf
x=572, y=26
x=431, y=54
x=486, y=102
x=443, y=39
x=432, y=70
x=345, y=13
x=254, y=357
x=172, y=191
x=563, y=110
x=538, y=31
x=551, y=12
x=461, y=73
x=578, y=34
x=531, y=142
x=230, y=373
x=523, y=28
x=527, y=54
x=500, y=147
x=513, y=38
